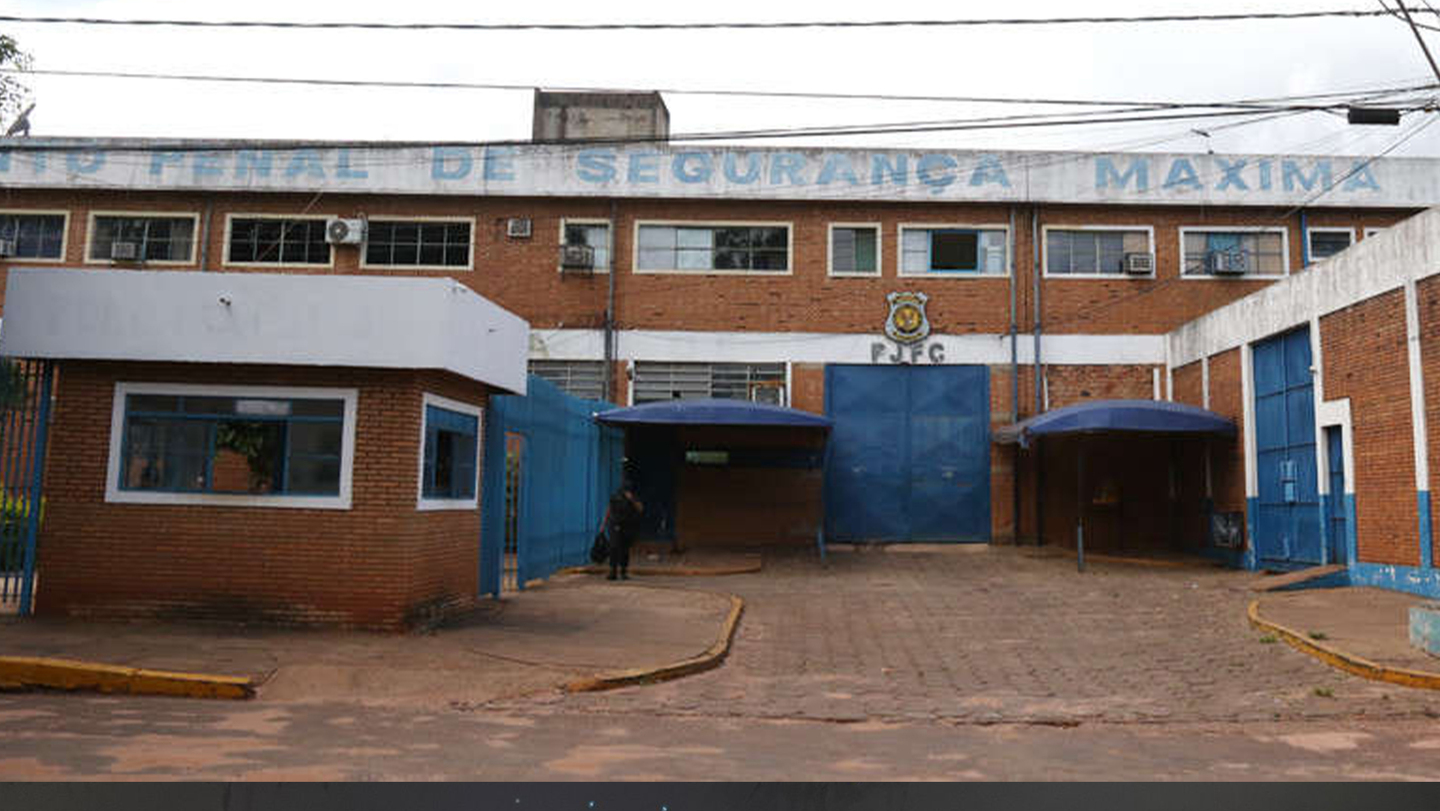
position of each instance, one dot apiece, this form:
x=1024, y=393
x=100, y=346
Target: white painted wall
x=306, y=320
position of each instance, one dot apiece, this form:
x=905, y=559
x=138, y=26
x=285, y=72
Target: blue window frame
x=925, y=251
x=451, y=451
x=274, y=446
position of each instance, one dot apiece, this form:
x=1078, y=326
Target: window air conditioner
x=7, y=247
x=345, y=232
x=125, y=251
x=577, y=257
x=518, y=228
x=1223, y=263
x=770, y=394
x=1140, y=264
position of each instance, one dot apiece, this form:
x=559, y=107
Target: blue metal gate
x=909, y=455
x=568, y=468
x=1288, y=518
x=1337, y=522
x=25, y=388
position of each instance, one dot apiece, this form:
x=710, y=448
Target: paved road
x=956, y=664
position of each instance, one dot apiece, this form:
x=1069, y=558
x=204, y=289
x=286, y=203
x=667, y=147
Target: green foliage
x=13, y=93
x=14, y=518
x=258, y=442
x=12, y=384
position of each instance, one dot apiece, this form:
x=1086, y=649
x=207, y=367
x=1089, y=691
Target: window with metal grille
x=277, y=241
x=702, y=248
x=594, y=235
x=760, y=382
x=925, y=251
x=578, y=378
x=1091, y=252
x=1256, y=253
x=1326, y=242
x=395, y=243
x=33, y=236
x=855, y=250
x=156, y=239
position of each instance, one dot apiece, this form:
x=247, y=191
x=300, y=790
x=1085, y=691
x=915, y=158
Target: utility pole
x=1416, y=30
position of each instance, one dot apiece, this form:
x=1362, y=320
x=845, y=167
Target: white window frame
x=230, y=219
x=41, y=212
x=193, y=216
x=425, y=504
x=364, y=247
x=951, y=226
x=1045, y=252
x=114, y=494
x=789, y=247
x=564, y=221
x=850, y=274
x=1235, y=229
x=1325, y=229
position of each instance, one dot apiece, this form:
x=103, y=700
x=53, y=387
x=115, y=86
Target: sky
x=1170, y=62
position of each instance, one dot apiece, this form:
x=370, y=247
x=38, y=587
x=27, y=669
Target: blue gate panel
x=1289, y=521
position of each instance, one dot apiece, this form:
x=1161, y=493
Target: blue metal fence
x=25, y=388
x=567, y=469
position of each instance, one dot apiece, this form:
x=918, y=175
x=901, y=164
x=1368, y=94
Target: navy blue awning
x=713, y=412
x=1119, y=416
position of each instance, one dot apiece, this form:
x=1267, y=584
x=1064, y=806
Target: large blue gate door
x=1288, y=517
x=909, y=453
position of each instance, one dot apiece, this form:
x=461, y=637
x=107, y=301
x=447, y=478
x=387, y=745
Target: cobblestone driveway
x=999, y=635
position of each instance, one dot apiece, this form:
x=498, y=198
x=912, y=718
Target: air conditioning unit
x=345, y=232
x=125, y=251
x=518, y=228
x=770, y=394
x=7, y=247
x=1227, y=263
x=577, y=257
x=1140, y=264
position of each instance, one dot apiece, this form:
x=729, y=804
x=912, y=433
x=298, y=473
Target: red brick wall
x=1227, y=466
x=1189, y=383
x=807, y=387
x=748, y=506
x=1365, y=359
x=1428, y=300
x=380, y=564
x=1069, y=385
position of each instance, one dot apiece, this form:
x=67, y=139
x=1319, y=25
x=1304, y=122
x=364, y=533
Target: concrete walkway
x=570, y=628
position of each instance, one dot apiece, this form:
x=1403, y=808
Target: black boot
x=611, y=576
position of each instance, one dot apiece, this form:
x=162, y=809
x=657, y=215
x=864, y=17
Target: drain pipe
x=1014, y=382
x=610, y=309
x=205, y=236
x=1039, y=386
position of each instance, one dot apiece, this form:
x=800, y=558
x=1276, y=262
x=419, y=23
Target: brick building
x=913, y=296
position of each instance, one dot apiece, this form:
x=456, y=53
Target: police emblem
x=907, y=323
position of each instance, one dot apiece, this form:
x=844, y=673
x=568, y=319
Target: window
x=33, y=236
x=952, y=250
x=578, y=378
x=277, y=241
x=156, y=239
x=595, y=235
x=1326, y=242
x=855, y=250
x=433, y=244
x=759, y=382
x=1253, y=253
x=450, y=454
x=1092, y=252
x=704, y=248
x=228, y=445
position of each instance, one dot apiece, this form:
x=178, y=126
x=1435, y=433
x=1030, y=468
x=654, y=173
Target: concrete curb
x=711, y=658
x=68, y=674
x=1342, y=660
x=696, y=571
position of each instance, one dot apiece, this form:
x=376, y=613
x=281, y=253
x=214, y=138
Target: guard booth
x=1125, y=476
x=726, y=473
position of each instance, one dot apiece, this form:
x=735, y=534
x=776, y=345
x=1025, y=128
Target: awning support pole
x=1080, y=506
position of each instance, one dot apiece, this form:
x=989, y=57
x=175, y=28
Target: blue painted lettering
x=1182, y=174
x=989, y=170
x=451, y=163
x=596, y=165
x=206, y=164
x=644, y=168
x=305, y=162
x=732, y=168
x=1265, y=179
x=344, y=171
x=692, y=167
x=39, y=161
x=897, y=171
x=159, y=160
x=253, y=163
x=786, y=167
x=1291, y=174
x=927, y=167
x=1360, y=178
x=837, y=166
x=499, y=163
x=84, y=163
x=5, y=161
x=1106, y=174
x=1232, y=175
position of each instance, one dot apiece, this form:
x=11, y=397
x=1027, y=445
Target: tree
x=14, y=94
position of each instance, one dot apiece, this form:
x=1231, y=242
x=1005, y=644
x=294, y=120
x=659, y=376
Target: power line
x=705, y=26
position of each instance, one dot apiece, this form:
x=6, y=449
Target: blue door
x=909, y=453
x=1336, y=524
x=1287, y=521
